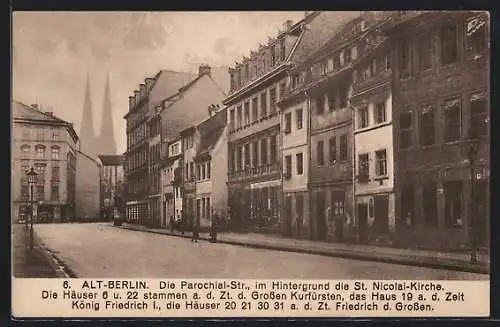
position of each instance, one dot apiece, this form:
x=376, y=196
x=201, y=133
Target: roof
x=320, y=30
x=111, y=160
x=29, y=113
x=211, y=130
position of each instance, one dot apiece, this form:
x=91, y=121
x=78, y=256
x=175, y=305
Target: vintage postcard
x=251, y=164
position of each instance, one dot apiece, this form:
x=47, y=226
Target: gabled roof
x=22, y=111
x=111, y=160
x=211, y=130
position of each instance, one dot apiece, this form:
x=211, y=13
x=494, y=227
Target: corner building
x=441, y=105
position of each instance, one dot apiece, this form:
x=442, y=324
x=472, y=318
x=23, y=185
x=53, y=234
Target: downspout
x=354, y=179
x=309, y=159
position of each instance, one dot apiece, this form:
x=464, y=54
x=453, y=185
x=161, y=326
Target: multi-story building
x=171, y=182
x=441, y=127
x=373, y=132
x=180, y=111
x=112, y=183
x=88, y=187
x=211, y=166
x=48, y=145
x=323, y=83
x=142, y=106
x=190, y=142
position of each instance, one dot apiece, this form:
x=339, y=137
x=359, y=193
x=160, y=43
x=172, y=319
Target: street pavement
x=99, y=250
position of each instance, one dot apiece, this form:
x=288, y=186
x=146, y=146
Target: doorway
x=288, y=216
x=362, y=222
x=320, y=216
x=381, y=213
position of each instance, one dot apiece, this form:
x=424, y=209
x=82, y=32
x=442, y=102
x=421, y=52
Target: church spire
x=87, y=124
x=107, y=144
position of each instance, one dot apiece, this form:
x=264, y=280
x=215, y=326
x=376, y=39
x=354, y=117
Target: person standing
x=196, y=234
x=214, y=221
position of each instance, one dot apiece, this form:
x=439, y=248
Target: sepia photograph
x=300, y=145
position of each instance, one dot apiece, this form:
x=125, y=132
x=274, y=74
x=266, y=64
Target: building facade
x=142, y=107
x=211, y=184
x=112, y=184
x=441, y=131
x=49, y=145
x=172, y=182
x=190, y=140
x=371, y=100
x=88, y=187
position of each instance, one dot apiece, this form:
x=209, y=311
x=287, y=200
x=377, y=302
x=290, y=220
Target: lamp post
x=31, y=180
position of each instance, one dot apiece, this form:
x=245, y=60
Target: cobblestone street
x=99, y=250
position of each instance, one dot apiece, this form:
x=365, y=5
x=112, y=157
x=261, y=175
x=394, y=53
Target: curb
x=59, y=267
x=424, y=262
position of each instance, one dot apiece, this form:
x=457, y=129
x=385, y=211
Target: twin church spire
x=103, y=143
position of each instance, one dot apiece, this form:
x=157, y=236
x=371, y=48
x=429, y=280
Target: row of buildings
x=347, y=126
x=73, y=182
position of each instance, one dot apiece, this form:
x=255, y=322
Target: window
x=39, y=134
x=295, y=81
x=320, y=104
x=429, y=202
x=323, y=68
x=449, y=43
x=364, y=168
x=337, y=203
x=407, y=204
x=288, y=166
x=25, y=151
x=272, y=99
x=380, y=113
x=247, y=113
x=332, y=98
x=288, y=123
x=231, y=121
x=55, y=173
x=263, y=104
x=55, y=135
x=343, y=148
x=363, y=117
x=300, y=163
x=239, y=117
x=333, y=150
x=381, y=163
x=203, y=172
x=476, y=37
x=282, y=89
x=255, y=109
x=282, y=49
x=298, y=117
x=372, y=68
x=198, y=172
x=191, y=170
x=40, y=192
x=40, y=151
x=239, y=159
x=425, y=52
x=321, y=154
x=54, y=193
x=388, y=62
x=478, y=115
x=405, y=129
x=405, y=58
x=263, y=152
x=343, y=97
x=255, y=154
x=55, y=153
x=247, y=155
x=427, y=130
x=354, y=53
x=453, y=203
x=273, y=149
x=233, y=85
x=452, y=121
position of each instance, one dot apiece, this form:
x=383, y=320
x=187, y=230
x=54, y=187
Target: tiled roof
x=22, y=111
x=111, y=160
x=211, y=130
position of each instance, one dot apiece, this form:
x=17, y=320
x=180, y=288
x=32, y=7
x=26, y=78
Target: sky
x=54, y=52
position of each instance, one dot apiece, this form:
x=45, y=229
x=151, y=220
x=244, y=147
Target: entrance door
x=381, y=213
x=362, y=222
x=320, y=216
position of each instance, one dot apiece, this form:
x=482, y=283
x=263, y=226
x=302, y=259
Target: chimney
x=149, y=82
x=211, y=109
x=131, y=102
x=137, y=94
x=142, y=90
x=35, y=106
x=204, y=69
x=287, y=24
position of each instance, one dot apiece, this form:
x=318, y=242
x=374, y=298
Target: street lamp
x=31, y=180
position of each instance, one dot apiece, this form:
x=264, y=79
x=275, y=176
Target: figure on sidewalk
x=196, y=233
x=172, y=224
x=214, y=221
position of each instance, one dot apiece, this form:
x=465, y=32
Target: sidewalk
x=36, y=263
x=459, y=261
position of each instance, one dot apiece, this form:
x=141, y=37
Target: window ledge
x=381, y=177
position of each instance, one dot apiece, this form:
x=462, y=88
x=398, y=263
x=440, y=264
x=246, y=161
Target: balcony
x=255, y=172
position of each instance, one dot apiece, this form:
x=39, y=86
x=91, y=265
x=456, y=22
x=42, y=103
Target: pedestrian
x=329, y=217
x=195, y=232
x=172, y=224
x=214, y=221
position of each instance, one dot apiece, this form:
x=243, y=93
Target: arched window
x=40, y=151
x=25, y=150
x=55, y=153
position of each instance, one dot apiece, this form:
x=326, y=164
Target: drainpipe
x=354, y=216
x=309, y=191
